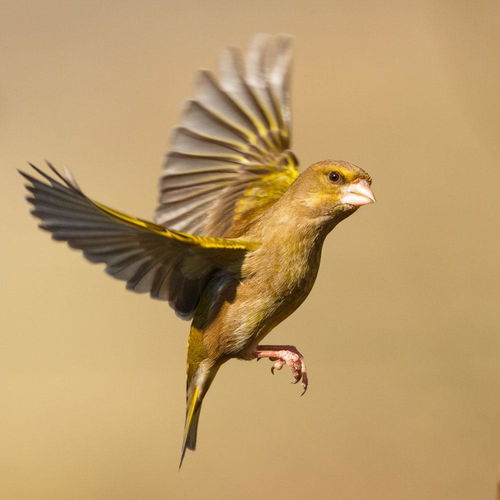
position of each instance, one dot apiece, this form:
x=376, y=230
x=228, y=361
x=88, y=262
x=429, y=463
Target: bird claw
x=278, y=364
x=286, y=355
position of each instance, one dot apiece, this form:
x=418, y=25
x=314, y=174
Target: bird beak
x=357, y=193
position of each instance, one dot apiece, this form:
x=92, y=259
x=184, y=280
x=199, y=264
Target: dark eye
x=335, y=176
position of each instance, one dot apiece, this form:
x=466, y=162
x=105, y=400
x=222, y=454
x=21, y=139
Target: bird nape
x=238, y=232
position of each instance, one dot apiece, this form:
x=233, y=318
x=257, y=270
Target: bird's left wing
x=168, y=264
x=230, y=159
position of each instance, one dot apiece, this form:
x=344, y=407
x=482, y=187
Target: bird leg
x=285, y=355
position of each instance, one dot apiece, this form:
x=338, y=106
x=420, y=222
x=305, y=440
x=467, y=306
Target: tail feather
x=193, y=430
x=198, y=384
x=191, y=425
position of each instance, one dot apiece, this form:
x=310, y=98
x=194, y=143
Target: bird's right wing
x=230, y=159
x=170, y=265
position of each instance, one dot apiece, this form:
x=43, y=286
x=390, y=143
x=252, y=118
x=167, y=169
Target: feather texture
x=169, y=265
x=230, y=160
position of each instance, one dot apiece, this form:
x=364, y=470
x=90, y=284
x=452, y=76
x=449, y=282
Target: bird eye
x=335, y=176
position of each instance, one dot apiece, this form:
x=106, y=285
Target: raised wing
x=230, y=160
x=170, y=265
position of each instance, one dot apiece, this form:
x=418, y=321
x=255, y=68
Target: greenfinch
x=238, y=232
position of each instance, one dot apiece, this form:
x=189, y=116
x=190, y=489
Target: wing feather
x=170, y=265
x=230, y=160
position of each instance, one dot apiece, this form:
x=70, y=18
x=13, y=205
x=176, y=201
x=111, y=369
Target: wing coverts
x=167, y=264
x=230, y=159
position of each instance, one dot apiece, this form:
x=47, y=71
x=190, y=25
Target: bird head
x=332, y=190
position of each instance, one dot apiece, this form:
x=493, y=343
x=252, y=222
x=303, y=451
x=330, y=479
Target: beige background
x=401, y=331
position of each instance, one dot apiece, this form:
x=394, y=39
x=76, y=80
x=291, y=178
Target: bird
x=236, y=241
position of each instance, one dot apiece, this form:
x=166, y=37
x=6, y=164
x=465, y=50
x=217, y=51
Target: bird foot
x=285, y=355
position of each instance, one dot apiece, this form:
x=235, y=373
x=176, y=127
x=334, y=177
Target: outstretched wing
x=230, y=160
x=170, y=265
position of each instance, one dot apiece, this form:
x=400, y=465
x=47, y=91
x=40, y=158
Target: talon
x=278, y=365
x=288, y=355
x=304, y=383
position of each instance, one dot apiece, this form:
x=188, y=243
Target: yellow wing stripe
x=234, y=138
x=258, y=125
x=199, y=241
x=261, y=192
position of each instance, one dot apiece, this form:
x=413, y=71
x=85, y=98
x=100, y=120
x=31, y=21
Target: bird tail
x=197, y=386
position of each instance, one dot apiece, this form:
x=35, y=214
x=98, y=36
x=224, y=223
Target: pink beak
x=358, y=193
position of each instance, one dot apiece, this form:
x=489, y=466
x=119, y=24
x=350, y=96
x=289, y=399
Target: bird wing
x=229, y=159
x=168, y=264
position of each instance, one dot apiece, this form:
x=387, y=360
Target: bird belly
x=273, y=287
x=263, y=306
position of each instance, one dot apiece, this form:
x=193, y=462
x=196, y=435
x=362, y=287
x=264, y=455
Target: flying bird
x=238, y=231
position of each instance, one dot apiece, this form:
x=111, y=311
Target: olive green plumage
x=238, y=235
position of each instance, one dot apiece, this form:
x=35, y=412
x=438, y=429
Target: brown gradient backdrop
x=401, y=331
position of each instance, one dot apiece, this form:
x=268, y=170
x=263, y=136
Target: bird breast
x=280, y=277
x=275, y=279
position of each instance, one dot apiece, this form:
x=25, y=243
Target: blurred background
x=401, y=331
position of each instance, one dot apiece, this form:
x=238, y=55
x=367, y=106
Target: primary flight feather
x=238, y=233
